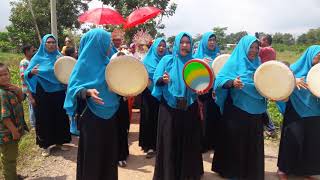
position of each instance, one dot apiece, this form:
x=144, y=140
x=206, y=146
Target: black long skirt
x=97, y=148
x=240, y=153
x=299, y=151
x=211, y=117
x=148, y=121
x=52, y=124
x=178, y=145
x=123, y=130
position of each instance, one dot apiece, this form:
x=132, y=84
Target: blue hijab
x=203, y=51
x=248, y=99
x=89, y=73
x=152, y=59
x=303, y=101
x=173, y=65
x=45, y=76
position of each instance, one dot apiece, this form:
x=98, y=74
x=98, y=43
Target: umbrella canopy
x=141, y=15
x=101, y=16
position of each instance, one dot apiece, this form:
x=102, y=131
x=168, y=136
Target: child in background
x=11, y=123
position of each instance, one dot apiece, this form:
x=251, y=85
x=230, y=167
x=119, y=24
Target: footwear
x=122, y=163
x=62, y=148
x=150, y=154
x=21, y=177
x=45, y=152
x=271, y=134
x=282, y=175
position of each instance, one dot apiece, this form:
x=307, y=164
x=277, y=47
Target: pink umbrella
x=100, y=16
x=141, y=15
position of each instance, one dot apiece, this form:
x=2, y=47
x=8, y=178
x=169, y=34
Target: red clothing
x=267, y=54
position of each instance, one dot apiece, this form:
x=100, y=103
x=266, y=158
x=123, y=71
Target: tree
x=125, y=7
x=234, y=38
x=22, y=29
x=286, y=38
x=220, y=33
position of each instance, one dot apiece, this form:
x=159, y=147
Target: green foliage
x=125, y=7
x=285, y=38
x=220, y=33
x=5, y=44
x=275, y=114
x=22, y=30
x=234, y=38
x=311, y=37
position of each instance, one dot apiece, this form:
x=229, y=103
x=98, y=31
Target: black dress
x=97, y=148
x=211, y=116
x=299, y=151
x=148, y=121
x=123, y=125
x=240, y=153
x=178, y=145
x=52, y=125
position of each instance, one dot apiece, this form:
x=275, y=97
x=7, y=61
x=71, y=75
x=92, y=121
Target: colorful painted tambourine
x=63, y=68
x=197, y=75
x=313, y=80
x=274, y=80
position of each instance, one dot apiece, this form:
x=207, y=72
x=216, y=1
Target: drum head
x=126, y=76
x=63, y=68
x=218, y=63
x=197, y=75
x=313, y=81
x=274, y=80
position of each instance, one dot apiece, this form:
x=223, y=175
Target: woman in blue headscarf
x=208, y=51
x=241, y=155
x=149, y=104
x=300, y=146
x=98, y=143
x=52, y=123
x=179, y=129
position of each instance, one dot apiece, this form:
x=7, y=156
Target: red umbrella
x=100, y=16
x=141, y=15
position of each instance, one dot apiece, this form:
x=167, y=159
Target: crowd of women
x=233, y=111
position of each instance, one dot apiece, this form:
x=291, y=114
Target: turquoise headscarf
x=173, y=65
x=152, y=59
x=303, y=101
x=89, y=73
x=203, y=51
x=248, y=99
x=45, y=76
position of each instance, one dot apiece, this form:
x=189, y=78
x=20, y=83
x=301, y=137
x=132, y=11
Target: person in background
x=267, y=53
x=67, y=43
x=28, y=51
x=71, y=51
x=52, y=122
x=149, y=104
x=11, y=123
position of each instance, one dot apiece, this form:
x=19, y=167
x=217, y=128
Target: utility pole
x=53, y=5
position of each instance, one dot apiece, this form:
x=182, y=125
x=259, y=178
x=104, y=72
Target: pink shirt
x=267, y=54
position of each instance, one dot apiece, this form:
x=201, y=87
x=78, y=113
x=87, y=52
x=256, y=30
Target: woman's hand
x=166, y=77
x=237, y=83
x=93, y=93
x=300, y=83
x=35, y=70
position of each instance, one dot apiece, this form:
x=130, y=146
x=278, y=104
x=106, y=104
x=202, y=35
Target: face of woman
x=253, y=51
x=161, y=48
x=51, y=45
x=212, y=43
x=185, y=46
x=316, y=59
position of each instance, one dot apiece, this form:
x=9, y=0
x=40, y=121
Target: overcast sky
x=199, y=16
